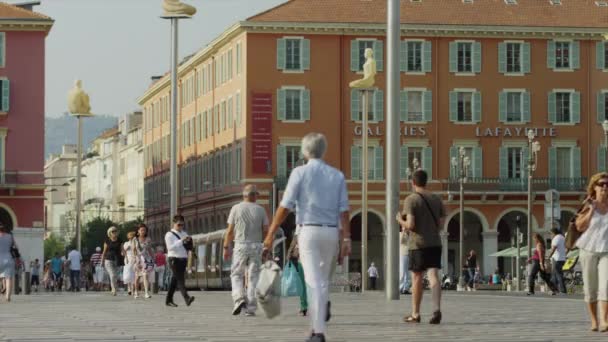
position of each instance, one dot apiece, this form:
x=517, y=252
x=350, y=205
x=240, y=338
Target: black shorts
x=35, y=280
x=425, y=258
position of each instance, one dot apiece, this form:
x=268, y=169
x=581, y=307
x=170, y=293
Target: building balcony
x=517, y=184
x=14, y=179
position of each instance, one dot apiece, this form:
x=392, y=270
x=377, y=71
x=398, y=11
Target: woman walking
x=128, y=271
x=144, y=264
x=112, y=251
x=294, y=259
x=472, y=266
x=593, y=245
x=537, y=262
x=7, y=263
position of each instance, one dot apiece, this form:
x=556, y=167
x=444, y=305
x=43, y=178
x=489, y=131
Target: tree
x=95, y=232
x=52, y=245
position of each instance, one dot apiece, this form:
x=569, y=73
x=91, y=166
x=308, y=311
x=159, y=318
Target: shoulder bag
x=188, y=244
x=14, y=250
x=573, y=233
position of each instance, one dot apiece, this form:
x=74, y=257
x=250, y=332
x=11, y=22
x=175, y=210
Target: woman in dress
x=537, y=262
x=144, y=264
x=112, y=251
x=593, y=246
x=128, y=271
x=7, y=263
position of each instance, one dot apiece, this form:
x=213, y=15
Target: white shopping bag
x=268, y=290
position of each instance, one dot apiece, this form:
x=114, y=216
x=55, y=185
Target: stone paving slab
x=96, y=317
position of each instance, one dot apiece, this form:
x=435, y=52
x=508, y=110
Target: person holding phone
x=178, y=243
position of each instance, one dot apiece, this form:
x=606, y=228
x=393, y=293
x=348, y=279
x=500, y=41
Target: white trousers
x=246, y=258
x=595, y=275
x=318, y=252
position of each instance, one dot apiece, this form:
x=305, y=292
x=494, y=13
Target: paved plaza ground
x=479, y=316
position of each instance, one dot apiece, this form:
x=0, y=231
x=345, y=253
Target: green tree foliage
x=53, y=245
x=95, y=233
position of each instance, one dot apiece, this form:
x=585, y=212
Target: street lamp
x=534, y=148
x=605, y=128
x=461, y=164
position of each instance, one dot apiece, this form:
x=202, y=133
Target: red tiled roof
x=8, y=11
x=535, y=13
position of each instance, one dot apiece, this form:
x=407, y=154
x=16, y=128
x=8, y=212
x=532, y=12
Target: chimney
x=29, y=5
x=155, y=78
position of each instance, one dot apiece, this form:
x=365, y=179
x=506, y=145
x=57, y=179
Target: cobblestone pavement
x=467, y=317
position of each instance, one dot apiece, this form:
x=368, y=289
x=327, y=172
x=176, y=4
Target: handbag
x=188, y=243
x=268, y=289
x=290, y=281
x=573, y=233
x=14, y=250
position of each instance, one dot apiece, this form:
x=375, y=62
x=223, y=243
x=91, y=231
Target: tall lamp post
x=605, y=128
x=461, y=164
x=533, y=148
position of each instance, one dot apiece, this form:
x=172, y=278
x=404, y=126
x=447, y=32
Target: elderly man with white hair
x=318, y=194
x=247, y=224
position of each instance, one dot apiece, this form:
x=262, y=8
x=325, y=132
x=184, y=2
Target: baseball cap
x=98, y=249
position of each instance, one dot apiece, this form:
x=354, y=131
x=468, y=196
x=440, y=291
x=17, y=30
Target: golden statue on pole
x=78, y=100
x=369, y=72
x=177, y=8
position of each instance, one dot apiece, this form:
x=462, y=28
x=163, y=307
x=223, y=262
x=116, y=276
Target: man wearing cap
x=247, y=224
x=97, y=269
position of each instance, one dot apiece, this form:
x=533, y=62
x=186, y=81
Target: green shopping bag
x=290, y=281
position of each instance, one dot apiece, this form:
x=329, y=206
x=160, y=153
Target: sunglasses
x=113, y=231
x=603, y=183
x=180, y=224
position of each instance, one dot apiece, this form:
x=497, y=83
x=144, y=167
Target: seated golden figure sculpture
x=78, y=100
x=369, y=72
x=177, y=8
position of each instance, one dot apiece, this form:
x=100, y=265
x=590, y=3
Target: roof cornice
x=12, y=24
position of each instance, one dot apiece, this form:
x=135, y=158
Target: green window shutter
x=551, y=105
x=453, y=57
x=6, y=88
x=427, y=101
x=477, y=162
x=599, y=55
x=453, y=106
x=379, y=105
x=477, y=57
x=2, y=49
x=525, y=58
x=477, y=106
x=552, y=162
x=403, y=105
x=379, y=55
x=354, y=55
x=403, y=162
x=427, y=55
x=281, y=52
x=305, y=104
x=453, y=154
x=526, y=110
x=504, y=163
x=551, y=54
x=355, y=162
x=502, y=58
x=355, y=105
x=576, y=107
x=601, y=159
x=576, y=59
x=281, y=104
x=601, y=107
x=379, y=163
x=403, y=57
x=427, y=160
x=576, y=162
x=306, y=54
x=281, y=161
x=502, y=106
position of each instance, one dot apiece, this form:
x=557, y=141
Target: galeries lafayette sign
x=502, y=132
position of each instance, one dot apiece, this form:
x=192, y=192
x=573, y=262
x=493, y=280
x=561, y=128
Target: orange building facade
x=470, y=78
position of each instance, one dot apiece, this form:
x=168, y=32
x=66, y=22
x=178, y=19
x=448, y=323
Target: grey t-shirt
x=426, y=232
x=249, y=220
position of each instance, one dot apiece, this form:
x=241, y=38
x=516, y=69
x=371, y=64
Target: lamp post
x=461, y=164
x=533, y=148
x=605, y=128
x=518, y=256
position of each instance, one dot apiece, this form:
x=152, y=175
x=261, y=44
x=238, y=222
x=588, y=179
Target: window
x=564, y=161
x=514, y=165
x=237, y=109
x=414, y=106
x=363, y=45
x=562, y=55
x=562, y=107
x=375, y=162
x=293, y=104
x=605, y=54
x=475, y=154
x=514, y=63
x=602, y=106
x=465, y=57
x=239, y=52
x=293, y=54
x=375, y=110
x=514, y=107
x=288, y=158
x=413, y=157
x=465, y=107
x=223, y=117
x=414, y=56
x=293, y=60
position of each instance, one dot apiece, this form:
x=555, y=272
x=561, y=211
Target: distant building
x=58, y=178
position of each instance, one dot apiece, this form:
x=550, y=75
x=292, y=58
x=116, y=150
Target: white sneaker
x=238, y=306
x=147, y=296
x=136, y=296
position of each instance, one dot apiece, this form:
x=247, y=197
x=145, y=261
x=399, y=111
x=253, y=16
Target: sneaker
x=238, y=306
x=249, y=313
x=136, y=296
x=147, y=296
x=316, y=338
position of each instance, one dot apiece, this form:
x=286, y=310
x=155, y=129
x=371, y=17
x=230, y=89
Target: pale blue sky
x=114, y=46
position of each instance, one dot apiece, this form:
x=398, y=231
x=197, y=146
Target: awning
x=511, y=252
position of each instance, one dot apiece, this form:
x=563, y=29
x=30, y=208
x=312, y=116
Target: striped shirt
x=96, y=259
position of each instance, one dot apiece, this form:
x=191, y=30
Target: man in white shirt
x=176, y=240
x=558, y=256
x=247, y=223
x=372, y=272
x=74, y=258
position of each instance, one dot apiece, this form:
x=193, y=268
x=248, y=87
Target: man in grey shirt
x=247, y=224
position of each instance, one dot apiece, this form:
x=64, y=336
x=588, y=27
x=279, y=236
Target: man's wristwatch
x=347, y=240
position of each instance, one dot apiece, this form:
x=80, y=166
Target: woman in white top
x=128, y=273
x=144, y=263
x=593, y=245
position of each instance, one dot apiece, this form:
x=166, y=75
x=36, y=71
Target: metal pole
x=393, y=81
x=78, y=184
x=551, y=200
x=517, y=268
x=173, y=166
x=364, y=103
x=461, y=223
x=530, y=161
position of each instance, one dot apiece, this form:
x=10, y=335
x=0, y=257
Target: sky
x=115, y=46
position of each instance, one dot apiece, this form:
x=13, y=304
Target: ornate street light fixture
x=461, y=164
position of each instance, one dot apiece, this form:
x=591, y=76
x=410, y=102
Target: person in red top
x=538, y=265
x=160, y=261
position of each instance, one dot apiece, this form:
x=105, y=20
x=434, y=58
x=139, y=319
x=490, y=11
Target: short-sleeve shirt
x=559, y=242
x=56, y=265
x=248, y=219
x=113, y=251
x=426, y=232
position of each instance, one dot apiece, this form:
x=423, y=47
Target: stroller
x=572, y=278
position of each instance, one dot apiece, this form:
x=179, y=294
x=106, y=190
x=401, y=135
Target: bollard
x=16, y=284
x=27, y=284
x=155, y=285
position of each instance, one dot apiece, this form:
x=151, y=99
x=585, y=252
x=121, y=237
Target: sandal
x=411, y=319
x=436, y=319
